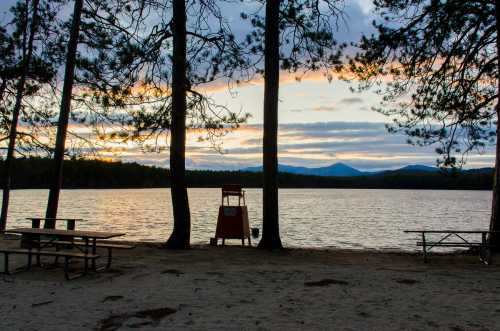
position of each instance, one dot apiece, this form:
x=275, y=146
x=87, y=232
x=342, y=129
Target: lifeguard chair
x=232, y=222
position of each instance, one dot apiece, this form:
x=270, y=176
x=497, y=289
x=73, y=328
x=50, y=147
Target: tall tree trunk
x=64, y=112
x=3, y=87
x=495, y=206
x=270, y=226
x=180, y=237
x=9, y=159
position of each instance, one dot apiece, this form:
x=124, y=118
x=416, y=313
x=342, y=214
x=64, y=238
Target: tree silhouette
x=99, y=69
x=173, y=59
x=180, y=237
x=294, y=35
x=64, y=113
x=26, y=72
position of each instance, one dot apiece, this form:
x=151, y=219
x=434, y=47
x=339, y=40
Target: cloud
x=322, y=108
x=364, y=145
x=326, y=108
x=351, y=101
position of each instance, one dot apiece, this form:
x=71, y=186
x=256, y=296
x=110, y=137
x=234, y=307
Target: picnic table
x=37, y=240
x=461, y=239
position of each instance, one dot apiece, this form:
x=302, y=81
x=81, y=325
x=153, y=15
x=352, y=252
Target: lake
x=323, y=218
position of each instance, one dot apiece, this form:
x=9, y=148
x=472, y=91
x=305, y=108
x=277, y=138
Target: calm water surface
x=341, y=218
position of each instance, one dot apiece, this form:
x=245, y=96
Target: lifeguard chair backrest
x=233, y=190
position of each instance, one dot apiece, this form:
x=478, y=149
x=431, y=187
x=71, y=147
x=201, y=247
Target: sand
x=234, y=288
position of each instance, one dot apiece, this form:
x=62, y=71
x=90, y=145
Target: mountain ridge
x=340, y=169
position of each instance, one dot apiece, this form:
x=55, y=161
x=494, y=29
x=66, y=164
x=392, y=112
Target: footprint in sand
x=172, y=271
x=326, y=282
x=138, y=319
x=112, y=298
x=406, y=281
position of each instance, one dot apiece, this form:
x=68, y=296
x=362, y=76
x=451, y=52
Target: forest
x=33, y=173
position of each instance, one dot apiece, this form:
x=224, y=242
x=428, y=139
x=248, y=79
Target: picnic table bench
x=460, y=241
x=67, y=242
x=65, y=254
x=35, y=242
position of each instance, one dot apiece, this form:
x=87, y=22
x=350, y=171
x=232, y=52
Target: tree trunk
x=270, y=225
x=9, y=159
x=62, y=126
x=495, y=205
x=180, y=237
x=3, y=87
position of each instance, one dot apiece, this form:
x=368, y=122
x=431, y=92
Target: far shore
x=235, y=288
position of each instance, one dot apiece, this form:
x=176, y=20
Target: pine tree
x=305, y=29
x=436, y=64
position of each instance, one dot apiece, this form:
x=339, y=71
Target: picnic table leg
x=94, y=248
x=423, y=247
x=6, y=263
x=485, y=251
x=110, y=256
x=86, y=252
x=29, y=261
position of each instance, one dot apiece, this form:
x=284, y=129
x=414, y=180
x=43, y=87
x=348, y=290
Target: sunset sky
x=321, y=122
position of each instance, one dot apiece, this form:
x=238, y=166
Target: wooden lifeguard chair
x=232, y=222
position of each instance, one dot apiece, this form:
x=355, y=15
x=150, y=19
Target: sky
x=321, y=122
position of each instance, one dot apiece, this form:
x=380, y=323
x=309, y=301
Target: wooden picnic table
x=483, y=245
x=89, y=238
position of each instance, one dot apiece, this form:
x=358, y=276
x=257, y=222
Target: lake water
x=325, y=218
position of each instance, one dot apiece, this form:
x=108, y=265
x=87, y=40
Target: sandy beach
x=234, y=288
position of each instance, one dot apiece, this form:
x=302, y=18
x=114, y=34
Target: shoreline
x=260, y=188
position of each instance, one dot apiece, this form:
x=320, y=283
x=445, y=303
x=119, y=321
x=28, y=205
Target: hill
x=337, y=169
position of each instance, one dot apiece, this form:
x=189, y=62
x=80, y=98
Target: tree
x=305, y=29
x=168, y=85
x=100, y=66
x=64, y=113
x=28, y=71
x=270, y=225
x=436, y=64
x=180, y=237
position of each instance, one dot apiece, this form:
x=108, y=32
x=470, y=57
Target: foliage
x=131, y=78
x=435, y=63
x=36, y=108
x=307, y=29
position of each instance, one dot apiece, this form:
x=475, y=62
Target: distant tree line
x=33, y=173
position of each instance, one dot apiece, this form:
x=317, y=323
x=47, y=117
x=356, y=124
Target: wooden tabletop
x=72, y=233
x=449, y=231
x=54, y=219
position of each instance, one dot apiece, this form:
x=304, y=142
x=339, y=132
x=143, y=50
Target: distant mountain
x=337, y=169
x=419, y=168
x=343, y=170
